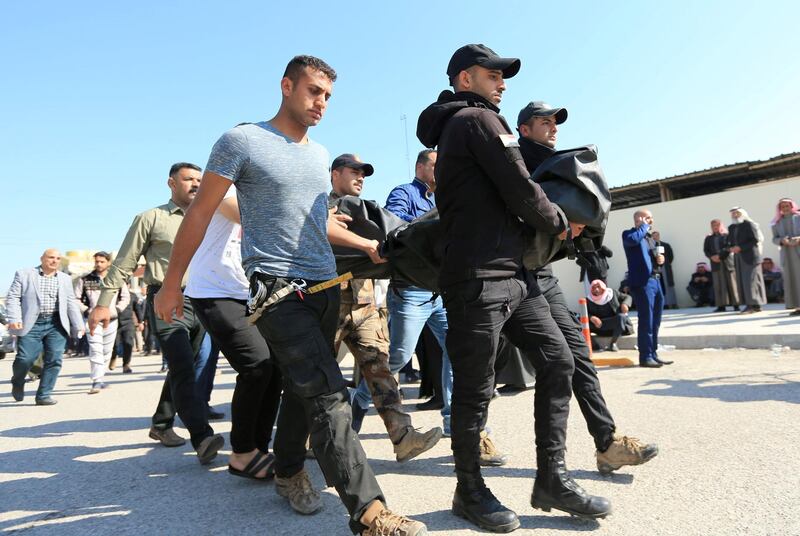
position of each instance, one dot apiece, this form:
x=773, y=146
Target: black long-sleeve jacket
x=716, y=244
x=484, y=194
x=745, y=236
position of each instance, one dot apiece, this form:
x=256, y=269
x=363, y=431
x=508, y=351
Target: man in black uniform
x=537, y=124
x=486, y=200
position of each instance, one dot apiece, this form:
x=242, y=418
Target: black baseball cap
x=541, y=109
x=469, y=55
x=354, y=162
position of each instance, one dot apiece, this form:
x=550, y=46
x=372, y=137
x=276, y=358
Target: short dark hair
x=454, y=79
x=181, y=165
x=105, y=255
x=424, y=156
x=298, y=63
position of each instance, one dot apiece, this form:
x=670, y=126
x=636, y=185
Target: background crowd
x=735, y=275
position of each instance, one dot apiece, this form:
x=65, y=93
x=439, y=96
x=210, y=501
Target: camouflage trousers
x=365, y=334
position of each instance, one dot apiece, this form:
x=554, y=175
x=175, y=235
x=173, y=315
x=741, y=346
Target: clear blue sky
x=99, y=98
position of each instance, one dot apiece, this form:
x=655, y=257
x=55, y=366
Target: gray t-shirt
x=282, y=190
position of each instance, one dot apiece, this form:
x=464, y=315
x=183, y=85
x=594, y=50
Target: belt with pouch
x=266, y=290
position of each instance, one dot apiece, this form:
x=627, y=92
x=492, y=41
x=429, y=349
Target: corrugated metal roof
x=706, y=181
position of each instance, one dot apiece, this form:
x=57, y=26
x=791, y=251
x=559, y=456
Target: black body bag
x=572, y=179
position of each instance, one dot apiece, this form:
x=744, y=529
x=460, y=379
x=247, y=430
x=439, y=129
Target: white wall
x=684, y=224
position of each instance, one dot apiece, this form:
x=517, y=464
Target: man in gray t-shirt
x=280, y=185
x=281, y=179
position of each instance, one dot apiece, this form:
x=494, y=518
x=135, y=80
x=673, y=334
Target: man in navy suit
x=644, y=271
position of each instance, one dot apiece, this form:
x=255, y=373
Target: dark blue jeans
x=649, y=301
x=205, y=368
x=48, y=335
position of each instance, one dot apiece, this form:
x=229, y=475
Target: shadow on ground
x=442, y=466
x=445, y=520
x=65, y=428
x=75, y=489
x=743, y=388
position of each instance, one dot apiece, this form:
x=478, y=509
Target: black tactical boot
x=475, y=502
x=554, y=488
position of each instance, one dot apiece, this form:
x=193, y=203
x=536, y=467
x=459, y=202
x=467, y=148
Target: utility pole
x=405, y=134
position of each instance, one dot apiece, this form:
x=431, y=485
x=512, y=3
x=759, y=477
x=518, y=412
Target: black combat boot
x=475, y=502
x=554, y=488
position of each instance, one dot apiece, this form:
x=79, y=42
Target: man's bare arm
x=339, y=236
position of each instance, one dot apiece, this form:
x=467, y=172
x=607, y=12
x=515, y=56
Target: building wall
x=79, y=261
x=684, y=224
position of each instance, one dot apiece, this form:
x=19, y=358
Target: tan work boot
x=624, y=450
x=208, y=448
x=303, y=498
x=167, y=437
x=415, y=443
x=389, y=524
x=490, y=456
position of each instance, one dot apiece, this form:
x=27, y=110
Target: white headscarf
x=746, y=217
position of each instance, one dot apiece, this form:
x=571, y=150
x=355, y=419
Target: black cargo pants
x=585, y=383
x=300, y=333
x=477, y=311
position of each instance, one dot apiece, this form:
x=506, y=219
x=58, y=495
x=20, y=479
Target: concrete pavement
x=726, y=423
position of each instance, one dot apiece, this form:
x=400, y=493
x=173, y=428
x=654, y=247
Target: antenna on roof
x=404, y=119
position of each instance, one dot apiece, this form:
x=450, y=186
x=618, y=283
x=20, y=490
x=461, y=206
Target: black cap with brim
x=469, y=55
x=541, y=109
x=352, y=161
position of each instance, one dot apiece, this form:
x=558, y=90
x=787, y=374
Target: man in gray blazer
x=42, y=310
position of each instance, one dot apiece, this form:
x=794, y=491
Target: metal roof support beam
x=666, y=193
